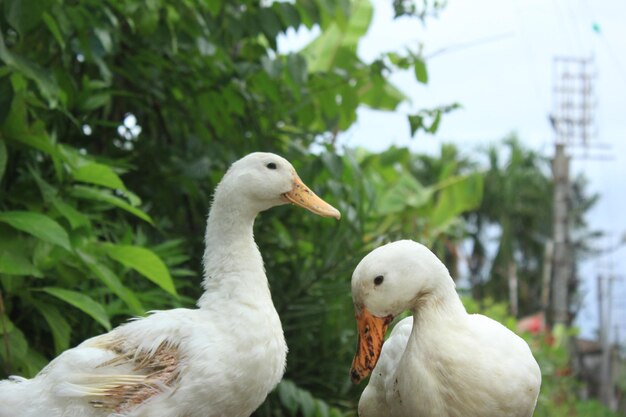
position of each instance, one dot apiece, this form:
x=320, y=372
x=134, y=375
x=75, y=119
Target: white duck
x=441, y=362
x=219, y=360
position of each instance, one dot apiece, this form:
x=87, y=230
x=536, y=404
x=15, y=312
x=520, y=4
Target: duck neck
x=437, y=311
x=233, y=266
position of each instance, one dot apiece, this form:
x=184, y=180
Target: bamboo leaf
x=76, y=218
x=144, y=261
x=82, y=302
x=6, y=325
x=3, y=157
x=54, y=29
x=59, y=327
x=6, y=98
x=24, y=15
x=47, y=85
x=105, y=196
x=99, y=174
x=15, y=343
x=112, y=281
x=15, y=263
x=38, y=225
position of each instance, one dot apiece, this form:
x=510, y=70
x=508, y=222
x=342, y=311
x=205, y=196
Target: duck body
x=441, y=361
x=218, y=360
x=251, y=363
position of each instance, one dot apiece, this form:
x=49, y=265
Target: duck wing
x=109, y=374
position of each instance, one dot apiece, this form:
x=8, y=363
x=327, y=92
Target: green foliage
x=518, y=200
x=118, y=118
x=297, y=402
x=428, y=120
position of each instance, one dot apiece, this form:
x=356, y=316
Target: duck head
x=263, y=180
x=391, y=279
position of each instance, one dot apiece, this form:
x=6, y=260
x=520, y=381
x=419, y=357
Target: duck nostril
x=354, y=375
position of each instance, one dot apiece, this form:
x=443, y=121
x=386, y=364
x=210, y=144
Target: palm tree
x=517, y=208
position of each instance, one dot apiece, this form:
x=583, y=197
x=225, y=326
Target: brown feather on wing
x=153, y=372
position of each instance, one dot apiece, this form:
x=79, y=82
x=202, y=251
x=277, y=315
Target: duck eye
x=379, y=280
x=271, y=165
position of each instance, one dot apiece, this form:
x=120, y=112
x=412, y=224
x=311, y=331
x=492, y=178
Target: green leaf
x=35, y=136
x=15, y=123
x=296, y=67
x=281, y=232
x=105, y=196
x=15, y=263
x=24, y=15
x=6, y=98
x=59, y=327
x=380, y=94
x=435, y=124
x=421, y=74
x=105, y=39
x=38, y=225
x=288, y=14
x=6, y=325
x=111, y=280
x=31, y=362
x=54, y=29
x=213, y=6
x=270, y=23
x=144, y=261
x=415, y=123
x=76, y=218
x=15, y=343
x=99, y=174
x=406, y=192
x=82, y=302
x=47, y=85
x=95, y=101
x=456, y=195
x=287, y=394
x=399, y=61
x=337, y=44
x=418, y=121
x=3, y=158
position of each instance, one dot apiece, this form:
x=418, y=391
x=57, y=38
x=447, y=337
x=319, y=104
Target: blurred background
x=490, y=131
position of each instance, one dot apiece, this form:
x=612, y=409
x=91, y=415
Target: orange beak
x=302, y=196
x=372, y=331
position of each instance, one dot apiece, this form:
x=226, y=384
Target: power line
x=466, y=45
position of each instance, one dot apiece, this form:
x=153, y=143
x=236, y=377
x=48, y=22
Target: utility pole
x=562, y=265
x=572, y=121
x=605, y=318
x=546, y=275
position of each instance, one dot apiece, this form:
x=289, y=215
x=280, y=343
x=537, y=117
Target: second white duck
x=442, y=361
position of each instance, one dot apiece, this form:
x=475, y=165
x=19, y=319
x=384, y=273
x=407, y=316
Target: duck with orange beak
x=441, y=361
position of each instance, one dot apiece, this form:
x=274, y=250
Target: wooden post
x=546, y=275
x=562, y=262
x=605, y=307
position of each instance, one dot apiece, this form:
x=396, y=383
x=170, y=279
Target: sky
x=495, y=58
